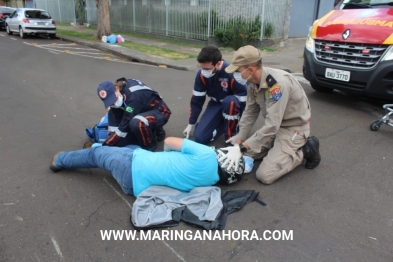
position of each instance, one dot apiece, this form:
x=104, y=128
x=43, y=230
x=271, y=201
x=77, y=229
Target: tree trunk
x=103, y=21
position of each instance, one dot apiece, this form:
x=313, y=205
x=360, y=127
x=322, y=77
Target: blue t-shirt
x=195, y=166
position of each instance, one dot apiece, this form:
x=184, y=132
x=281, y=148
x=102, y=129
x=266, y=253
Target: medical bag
x=99, y=133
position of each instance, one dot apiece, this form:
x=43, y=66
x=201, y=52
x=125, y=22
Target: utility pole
x=287, y=19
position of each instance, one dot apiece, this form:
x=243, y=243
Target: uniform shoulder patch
x=129, y=109
x=270, y=81
x=275, y=92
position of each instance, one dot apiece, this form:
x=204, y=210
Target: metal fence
x=62, y=11
x=193, y=19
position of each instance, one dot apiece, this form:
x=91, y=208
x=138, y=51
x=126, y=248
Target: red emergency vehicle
x=351, y=49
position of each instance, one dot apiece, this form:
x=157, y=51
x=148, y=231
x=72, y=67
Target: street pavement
x=340, y=211
x=287, y=55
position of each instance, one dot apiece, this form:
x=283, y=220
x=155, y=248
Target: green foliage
x=268, y=30
x=80, y=11
x=204, y=17
x=239, y=32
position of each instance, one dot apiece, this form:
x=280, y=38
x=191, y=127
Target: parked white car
x=30, y=21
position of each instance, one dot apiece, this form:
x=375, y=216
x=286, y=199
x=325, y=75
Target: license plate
x=336, y=74
x=41, y=23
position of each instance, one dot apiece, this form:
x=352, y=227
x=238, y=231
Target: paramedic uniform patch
x=129, y=109
x=102, y=94
x=224, y=84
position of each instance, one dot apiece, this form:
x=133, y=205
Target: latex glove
x=96, y=144
x=248, y=164
x=232, y=157
x=187, y=131
x=233, y=140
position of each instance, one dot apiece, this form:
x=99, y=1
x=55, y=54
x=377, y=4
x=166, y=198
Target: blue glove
x=96, y=144
x=248, y=164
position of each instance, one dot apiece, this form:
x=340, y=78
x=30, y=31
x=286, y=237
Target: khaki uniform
x=287, y=113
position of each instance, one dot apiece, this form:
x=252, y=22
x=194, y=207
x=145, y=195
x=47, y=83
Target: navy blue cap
x=106, y=91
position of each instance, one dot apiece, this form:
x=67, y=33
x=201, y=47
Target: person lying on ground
x=183, y=165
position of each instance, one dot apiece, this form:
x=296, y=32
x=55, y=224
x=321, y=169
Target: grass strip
x=157, y=51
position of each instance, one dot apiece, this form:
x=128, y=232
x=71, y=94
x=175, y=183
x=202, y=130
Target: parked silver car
x=30, y=21
x=4, y=13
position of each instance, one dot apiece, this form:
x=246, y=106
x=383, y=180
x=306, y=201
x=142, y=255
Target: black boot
x=160, y=134
x=311, y=152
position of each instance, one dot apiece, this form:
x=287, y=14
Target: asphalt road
x=341, y=211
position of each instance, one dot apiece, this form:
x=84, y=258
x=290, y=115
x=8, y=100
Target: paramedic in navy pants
x=227, y=99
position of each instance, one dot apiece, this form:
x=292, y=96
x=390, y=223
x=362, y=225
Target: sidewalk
x=288, y=54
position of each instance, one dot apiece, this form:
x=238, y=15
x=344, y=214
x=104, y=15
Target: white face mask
x=119, y=102
x=207, y=73
x=238, y=77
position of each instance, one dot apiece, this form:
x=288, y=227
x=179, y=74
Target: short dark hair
x=209, y=54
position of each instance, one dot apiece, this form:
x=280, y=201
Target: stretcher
x=385, y=119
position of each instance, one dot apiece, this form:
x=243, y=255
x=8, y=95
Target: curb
x=137, y=57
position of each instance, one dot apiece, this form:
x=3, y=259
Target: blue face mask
x=238, y=77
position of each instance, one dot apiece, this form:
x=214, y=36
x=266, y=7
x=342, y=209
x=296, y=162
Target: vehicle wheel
x=321, y=89
x=375, y=125
x=52, y=36
x=9, y=32
x=21, y=33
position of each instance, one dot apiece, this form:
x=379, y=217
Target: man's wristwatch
x=243, y=149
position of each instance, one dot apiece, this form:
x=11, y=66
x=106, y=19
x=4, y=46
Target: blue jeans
x=116, y=160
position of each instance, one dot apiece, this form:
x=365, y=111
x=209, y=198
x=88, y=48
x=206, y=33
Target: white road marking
x=2, y=35
x=174, y=251
x=171, y=248
x=57, y=247
x=14, y=38
x=125, y=200
x=91, y=53
x=53, y=49
x=8, y=204
x=66, y=47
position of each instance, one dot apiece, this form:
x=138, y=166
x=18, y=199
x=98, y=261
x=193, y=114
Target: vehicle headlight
x=389, y=54
x=310, y=42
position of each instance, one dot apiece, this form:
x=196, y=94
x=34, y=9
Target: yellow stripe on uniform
x=389, y=40
x=319, y=21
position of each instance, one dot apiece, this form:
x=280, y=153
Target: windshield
x=358, y=4
x=37, y=14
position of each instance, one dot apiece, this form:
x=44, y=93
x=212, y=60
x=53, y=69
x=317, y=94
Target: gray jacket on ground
x=154, y=205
